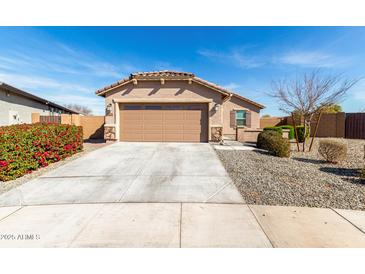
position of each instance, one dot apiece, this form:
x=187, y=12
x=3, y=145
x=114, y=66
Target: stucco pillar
x=75, y=119
x=36, y=118
x=65, y=119
x=117, y=119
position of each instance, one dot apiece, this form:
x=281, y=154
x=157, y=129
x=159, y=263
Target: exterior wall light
x=216, y=107
x=109, y=109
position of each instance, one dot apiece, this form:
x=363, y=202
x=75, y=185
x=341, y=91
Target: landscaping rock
x=302, y=180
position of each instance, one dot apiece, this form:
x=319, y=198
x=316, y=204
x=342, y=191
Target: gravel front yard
x=302, y=180
x=88, y=147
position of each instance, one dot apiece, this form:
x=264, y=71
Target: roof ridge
x=157, y=72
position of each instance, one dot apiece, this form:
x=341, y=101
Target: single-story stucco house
x=169, y=106
x=17, y=106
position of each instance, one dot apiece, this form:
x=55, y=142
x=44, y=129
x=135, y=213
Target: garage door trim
x=151, y=122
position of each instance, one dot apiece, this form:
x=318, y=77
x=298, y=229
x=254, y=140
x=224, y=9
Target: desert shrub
x=280, y=147
x=273, y=142
x=332, y=151
x=277, y=129
x=362, y=174
x=300, y=131
x=24, y=148
x=262, y=138
x=291, y=131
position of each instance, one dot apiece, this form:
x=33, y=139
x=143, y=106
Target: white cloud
x=163, y=65
x=238, y=58
x=34, y=82
x=309, y=59
x=358, y=91
x=60, y=92
x=62, y=59
x=95, y=103
x=231, y=86
x=234, y=57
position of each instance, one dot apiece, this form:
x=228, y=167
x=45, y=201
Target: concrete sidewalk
x=179, y=225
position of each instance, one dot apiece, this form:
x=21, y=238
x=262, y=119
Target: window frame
x=244, y=119
x=132, y=107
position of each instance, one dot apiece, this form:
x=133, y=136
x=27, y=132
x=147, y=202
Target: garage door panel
x=196, y=127
x=153, y=137
x=153, y=115
x=174, y=115
x=132, y=136
x=132, y=115
x=174, y=127
x=165, y=123
x=173, y=138
x=156, y=127
x=133, y=127
x=191, y=138
x=192, y=114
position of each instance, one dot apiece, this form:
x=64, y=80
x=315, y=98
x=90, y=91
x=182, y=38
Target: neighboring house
x=17, y=106
x=173, y=106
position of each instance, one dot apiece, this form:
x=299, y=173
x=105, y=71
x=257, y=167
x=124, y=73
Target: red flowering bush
x=24, y=148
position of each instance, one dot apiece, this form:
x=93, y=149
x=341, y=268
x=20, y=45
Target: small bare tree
x=307, y=96
x=79, y=108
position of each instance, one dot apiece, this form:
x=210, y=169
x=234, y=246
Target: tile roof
x=172, y=75
x=162, y=73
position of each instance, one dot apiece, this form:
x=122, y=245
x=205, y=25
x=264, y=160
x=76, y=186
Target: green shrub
x=277, y=129
x=280, y=147
x=300, y=132
x=291, y=131
x=273, y=142
x=332, y=151
x=262, y=138
x=24, y=148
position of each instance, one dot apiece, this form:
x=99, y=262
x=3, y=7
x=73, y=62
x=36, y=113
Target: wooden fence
x=355, y=126
x=92, y=126
x=50, y=119
x=340, y=125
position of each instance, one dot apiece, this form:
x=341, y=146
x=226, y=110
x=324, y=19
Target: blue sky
x=67, y=64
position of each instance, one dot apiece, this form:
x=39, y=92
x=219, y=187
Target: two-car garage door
x=164, y=122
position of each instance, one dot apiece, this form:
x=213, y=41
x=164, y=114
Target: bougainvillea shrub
x=24, y=148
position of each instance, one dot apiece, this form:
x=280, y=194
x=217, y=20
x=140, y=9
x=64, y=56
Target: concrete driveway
x=159, y=195
x=132, y=172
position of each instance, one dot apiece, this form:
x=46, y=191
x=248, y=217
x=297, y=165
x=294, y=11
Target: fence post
x=340, y=124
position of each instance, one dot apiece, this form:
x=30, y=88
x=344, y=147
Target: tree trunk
x=304, y=140
x=307, y=129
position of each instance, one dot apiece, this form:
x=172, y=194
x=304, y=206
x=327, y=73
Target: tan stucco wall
x=179, y=90
x=171, y=89
x=236, y=104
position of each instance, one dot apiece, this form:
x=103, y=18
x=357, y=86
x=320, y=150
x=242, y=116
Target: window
x=192, y=107
x=153, y=107
x=240, y=117
x=173, y=107
x=135, y=107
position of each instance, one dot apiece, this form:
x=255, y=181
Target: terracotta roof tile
x=171, y=75
x=162, y=73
